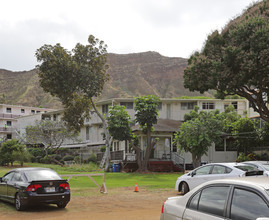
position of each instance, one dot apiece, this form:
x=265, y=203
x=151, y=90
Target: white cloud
x=170, y=27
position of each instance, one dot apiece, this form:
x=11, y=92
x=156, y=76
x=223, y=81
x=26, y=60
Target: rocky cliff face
x=130, y=75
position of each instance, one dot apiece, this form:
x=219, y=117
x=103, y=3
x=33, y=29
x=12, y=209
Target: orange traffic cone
x=136, y=188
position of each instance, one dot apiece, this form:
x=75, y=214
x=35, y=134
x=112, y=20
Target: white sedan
x=261, y=165
x=245, y=198
x=213, y=171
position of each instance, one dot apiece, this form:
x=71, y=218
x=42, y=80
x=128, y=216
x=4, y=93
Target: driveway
x=117, y=204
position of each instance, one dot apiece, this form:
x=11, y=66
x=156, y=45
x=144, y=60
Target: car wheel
x=61, y=205
x=19, y=203
x=184, y=188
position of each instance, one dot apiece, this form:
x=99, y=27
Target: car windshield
x=34, y=175
x=245, y=167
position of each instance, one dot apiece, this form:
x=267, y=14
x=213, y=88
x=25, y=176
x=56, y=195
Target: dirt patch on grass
x=117, y=204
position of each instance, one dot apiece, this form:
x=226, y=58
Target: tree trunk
x=145, y=160
x=196, y=160
x=107, y=135
x=138, y=156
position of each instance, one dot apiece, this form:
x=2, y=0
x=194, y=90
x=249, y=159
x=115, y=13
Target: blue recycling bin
x=115, y=167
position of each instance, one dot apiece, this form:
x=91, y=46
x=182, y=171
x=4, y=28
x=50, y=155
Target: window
x=235, y=105
x=194, y=201
x=208, y=105
x=9, y=123
x=9, y=136
x=8, y=110
x=33, y=111
x=213, y=200
x=168, y=112
x=17, y=177
x=203, y=170
x=128, y=105
x=160, y=106
x=219, y=170
x=87, y=133
x=104, y=109
x=8, y=177
x=248, y=205
x=22, y=110
x=188, y=105
x=54, y=117
x=116, y=145
x=37, y=111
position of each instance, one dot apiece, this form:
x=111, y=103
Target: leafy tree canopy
x=236, y=60
x=119, y=123
x=245, y=134
x=73, y=76
x=146, y=108
x=198, y=133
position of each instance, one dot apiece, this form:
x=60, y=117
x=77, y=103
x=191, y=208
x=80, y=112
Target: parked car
x=243, y=198
x=213, y=171
x=261, y=165
x=28, y=186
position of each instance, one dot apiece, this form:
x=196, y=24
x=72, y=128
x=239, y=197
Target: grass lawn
x=112, y=180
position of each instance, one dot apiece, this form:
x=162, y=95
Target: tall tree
x=119, y=128
x=119, y=123
x=245, y=134
x=75, y=77
x=197, y=134
x=236, y=60
x=146, y=108
x=264, y=135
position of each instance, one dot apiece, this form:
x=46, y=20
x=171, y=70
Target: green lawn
x=112, y=180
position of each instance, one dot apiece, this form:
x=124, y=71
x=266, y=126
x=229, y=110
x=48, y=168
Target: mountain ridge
x=131, y=75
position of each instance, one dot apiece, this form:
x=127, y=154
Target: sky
x=173, y=28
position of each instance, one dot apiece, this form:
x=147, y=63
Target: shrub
x=77, y=159
x=68, y=158
x=103, y=149
x=92, y=158
x=45, y=160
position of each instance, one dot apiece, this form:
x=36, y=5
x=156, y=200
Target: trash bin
x=116, y=167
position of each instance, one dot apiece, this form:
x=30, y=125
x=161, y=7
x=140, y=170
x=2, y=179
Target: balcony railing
x=7, y=129
x=8, y=116
x=114, y=155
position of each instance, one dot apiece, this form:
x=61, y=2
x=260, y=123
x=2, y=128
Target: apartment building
x=171, y=115
x=9, y=115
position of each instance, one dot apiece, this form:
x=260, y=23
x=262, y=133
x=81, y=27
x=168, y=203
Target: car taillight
x=163, y=206
x=65, y=185
x=33, y=187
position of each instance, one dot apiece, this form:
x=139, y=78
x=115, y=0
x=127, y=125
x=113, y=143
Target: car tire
x=184, y=188
x=19, y=204
x=61, y=205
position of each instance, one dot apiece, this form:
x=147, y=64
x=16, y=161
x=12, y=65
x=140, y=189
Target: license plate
x=49, y=189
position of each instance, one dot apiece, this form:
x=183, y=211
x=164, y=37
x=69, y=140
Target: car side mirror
x=193, y=174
